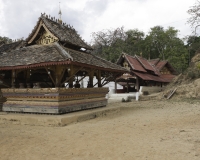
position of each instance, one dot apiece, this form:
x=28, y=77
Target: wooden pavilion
x=43, y=73
x=143, y=72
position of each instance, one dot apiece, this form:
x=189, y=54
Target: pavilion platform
x=58, y=120
x=53, y=100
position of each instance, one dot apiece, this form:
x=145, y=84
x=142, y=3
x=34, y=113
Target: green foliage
x=109, y=44
x=5, y=39
x=198, y=66
x=193, y=45
x=159, y=43
x=191, y=75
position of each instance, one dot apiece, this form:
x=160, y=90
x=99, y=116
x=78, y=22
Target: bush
x=191, y=75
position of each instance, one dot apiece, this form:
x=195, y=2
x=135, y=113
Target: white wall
x=110, y=85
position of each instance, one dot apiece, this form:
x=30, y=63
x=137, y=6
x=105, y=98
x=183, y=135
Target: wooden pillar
x=99, y=78
x=27, y=78
x=91, y=76
x=13, y=78
x=115, y=86
x=70, y=72
x=127, y=87
x=137, y=84
x=27, y=75
x=59, y=73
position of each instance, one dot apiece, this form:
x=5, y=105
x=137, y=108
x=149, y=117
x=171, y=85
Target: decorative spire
x=60, y=13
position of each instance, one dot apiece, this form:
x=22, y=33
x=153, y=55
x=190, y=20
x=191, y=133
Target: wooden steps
x=171, y=93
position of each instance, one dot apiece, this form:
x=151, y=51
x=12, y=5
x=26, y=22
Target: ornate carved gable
x=46, y=38
x=126, y=65
x=42, y=35
x=61, y=32
x=165, y=70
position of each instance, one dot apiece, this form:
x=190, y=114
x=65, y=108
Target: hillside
x=187, y=83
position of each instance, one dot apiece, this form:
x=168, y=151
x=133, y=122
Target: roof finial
x=60, y=13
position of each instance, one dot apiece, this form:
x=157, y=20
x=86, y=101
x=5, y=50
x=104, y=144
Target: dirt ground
x=144, y=130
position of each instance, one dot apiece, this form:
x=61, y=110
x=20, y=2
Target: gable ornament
x=46, y=38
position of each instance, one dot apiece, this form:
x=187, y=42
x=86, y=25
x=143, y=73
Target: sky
x=18, y=17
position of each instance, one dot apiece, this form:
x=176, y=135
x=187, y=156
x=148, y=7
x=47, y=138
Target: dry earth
x=144, y=130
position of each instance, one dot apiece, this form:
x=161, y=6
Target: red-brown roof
x=145, y=63
x=167, y=77
x=154, y=61
x=149, y=77
x=135, y=65
x=148, y=70
x=161, y=64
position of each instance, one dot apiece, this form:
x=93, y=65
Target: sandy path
x=144, y=130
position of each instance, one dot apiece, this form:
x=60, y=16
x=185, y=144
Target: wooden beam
x=62, y=74
x=72, y=75
x=97, y=82
x=50, y=76
x=91, y=71
x=105, y=83
x=81, y=78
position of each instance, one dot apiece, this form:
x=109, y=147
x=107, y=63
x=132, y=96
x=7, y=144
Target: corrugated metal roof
x=149, y=77
x=145, y=63
x=148, y=70
x=154, y=61
x=167, y=77
x=135, y=65
x=161, y=64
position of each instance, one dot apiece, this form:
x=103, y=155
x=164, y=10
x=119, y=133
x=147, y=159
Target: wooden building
x=143, y=72
x=43, y=73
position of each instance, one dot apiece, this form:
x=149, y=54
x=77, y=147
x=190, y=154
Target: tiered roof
x=65, y=33
x=148, y=70
x=160, y=64
x=66, y=49
x=145, y=64
x=52, y=54
x=11, y=46
x=134, y=63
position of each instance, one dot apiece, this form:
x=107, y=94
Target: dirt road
x=144, y=130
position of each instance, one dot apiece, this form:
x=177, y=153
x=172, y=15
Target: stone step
x=147, y=98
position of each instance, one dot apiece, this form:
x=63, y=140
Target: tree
x=109, y=44
x=134, y=41
x=159, y=43
x=194, y=11
x=165, y=44
x=193, y=45
x=5, y=39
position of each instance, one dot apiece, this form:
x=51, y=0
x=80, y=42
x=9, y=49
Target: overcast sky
x=18, y=17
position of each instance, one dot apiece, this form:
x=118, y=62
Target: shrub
x=191, y=75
